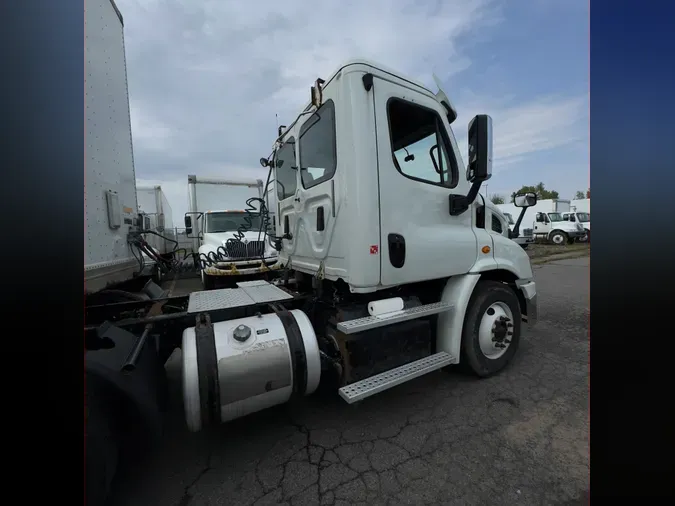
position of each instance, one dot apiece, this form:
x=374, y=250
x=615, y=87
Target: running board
x=372, y=322
x=387, y=379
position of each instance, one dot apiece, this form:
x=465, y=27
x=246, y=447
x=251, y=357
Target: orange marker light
x=485, y=249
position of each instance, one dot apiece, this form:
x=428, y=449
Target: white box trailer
x=581, y=205
x=110, y=179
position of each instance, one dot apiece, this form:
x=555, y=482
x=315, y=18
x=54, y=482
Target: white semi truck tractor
x=229, y=221
x=388, y=274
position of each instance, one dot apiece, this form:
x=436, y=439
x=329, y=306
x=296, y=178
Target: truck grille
x=237, y=249
x=527, y=232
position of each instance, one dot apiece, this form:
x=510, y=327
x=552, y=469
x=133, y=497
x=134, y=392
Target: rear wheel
x=491, y=331
x=101, y=451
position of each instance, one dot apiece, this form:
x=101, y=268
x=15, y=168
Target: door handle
x=320, y=221
x=396, y=250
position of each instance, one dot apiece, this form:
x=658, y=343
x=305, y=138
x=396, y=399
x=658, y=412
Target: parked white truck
x=580, y=212
x=389, y=273
x=547, y=222
x=230, y=232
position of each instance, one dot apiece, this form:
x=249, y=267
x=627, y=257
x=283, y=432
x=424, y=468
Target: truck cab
x=556, y=229
x=230, y=222
x=233, y=243
x=367, y=183
x=582, y=218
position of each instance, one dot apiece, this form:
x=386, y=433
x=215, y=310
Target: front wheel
x=558, y=238
x=491, y=331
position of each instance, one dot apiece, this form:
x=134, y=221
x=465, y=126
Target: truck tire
x=101, y=452
x=558, y=238
x=208, y=282
x=493, y=306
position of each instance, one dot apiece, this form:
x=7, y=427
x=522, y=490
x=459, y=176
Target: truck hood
x=220, y=238
x=566, y=225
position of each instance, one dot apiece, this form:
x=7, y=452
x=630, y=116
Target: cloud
x=209, y=78
x=522, y=129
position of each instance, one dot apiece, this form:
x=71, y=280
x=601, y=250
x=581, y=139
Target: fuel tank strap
x=207, y=367
x=297, y=347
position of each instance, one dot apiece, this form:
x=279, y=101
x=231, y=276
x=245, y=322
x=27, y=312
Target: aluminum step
x=387, y=379
x=371, y=322
x=248, y=294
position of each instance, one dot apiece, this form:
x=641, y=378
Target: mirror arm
x=516, y=227
x=460, y=203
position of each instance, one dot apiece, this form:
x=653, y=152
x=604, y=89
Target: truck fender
x=457, y=293
x=140, y=394
x=555, y=230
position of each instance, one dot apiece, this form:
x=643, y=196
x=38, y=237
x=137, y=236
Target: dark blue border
x=42, y=163
x=633, y=251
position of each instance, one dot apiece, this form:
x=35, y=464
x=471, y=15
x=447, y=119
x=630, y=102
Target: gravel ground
x=537, y=251
x=518, y=438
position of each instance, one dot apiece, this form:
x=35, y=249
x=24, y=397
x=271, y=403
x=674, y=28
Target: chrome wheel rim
x=496, y=330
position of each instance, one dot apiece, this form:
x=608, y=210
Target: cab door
x=419, y=167
x=542, y=225
x=306, y=186
x=286, y=184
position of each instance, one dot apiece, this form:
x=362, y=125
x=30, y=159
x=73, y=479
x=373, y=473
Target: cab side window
x=480, y=217
x=420, y=145
x=318, y=152
x=286, y=170
x=497, y=225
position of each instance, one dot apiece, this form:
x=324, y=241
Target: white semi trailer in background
x=231, y=234
x=400, y=254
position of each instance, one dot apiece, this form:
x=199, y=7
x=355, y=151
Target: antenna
x=277, y=118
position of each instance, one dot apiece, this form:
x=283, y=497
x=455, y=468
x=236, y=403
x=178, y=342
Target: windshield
x=555, y=217
x=584, y=217
x=509, y=218
x=231, y=222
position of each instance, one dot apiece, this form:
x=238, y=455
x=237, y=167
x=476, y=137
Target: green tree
x=539, y=189
x=497, y=199
x=580, y=195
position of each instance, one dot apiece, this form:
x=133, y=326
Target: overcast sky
x=208, y=77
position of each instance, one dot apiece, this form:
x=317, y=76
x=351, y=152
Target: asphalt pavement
x=520, y=437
